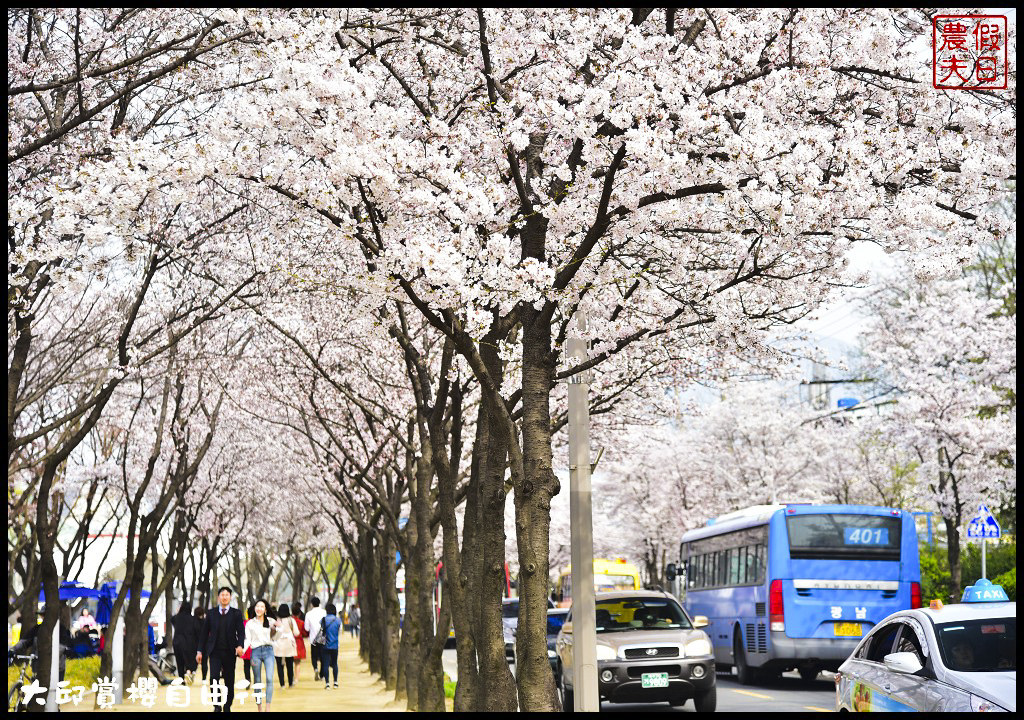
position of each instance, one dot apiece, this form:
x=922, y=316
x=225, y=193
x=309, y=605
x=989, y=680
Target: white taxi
x=954, y=658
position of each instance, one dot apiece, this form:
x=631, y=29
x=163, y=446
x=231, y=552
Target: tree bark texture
x=533, y=517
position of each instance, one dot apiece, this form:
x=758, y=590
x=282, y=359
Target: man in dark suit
x=221, y=639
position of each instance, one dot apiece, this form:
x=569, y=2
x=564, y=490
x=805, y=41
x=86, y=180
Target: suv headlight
x=982, y=705
x=604, y=652
x=697, y=647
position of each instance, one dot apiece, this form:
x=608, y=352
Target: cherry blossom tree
x=857, y=463
x=952, y=356
x=686, y=178
x=585, y=153
x=82, y=83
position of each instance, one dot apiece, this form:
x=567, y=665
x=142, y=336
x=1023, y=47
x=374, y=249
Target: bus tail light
x=776, y=619
x=915, y=595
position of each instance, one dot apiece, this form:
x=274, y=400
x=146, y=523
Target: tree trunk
x=168, y=612
x=430, y=680
x=368, y=562
x=33, y=579
x=412, y=630
x=136, y=641
x=46, y=536
x=460, y=568
x=947, y=479
x=389, y=613
x=497, y=687
x=533, y=517
x=953, y=554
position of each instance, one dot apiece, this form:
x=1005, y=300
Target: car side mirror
x=670, y=572
x=700, y=621
x=903, y=662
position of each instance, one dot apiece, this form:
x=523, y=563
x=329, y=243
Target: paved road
x=787, y=694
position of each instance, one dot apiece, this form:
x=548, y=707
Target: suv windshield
x=640, y=613
x=988, y=645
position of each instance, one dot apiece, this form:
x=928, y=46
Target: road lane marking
x=816, y=709
x=752, y=694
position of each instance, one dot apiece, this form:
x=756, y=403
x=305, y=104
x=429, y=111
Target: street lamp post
x=584, y=611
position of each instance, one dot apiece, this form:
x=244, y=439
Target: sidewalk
x=358, y=691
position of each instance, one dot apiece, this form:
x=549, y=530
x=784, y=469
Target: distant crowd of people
x=211, y=641
x=214, y=639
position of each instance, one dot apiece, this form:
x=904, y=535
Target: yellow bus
x=614, y=574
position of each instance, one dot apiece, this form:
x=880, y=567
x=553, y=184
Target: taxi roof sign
x=984, y=591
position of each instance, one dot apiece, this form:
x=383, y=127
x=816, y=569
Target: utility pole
x=584, y=609
x=818, y=390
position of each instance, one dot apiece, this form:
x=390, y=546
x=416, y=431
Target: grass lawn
x=79, y=671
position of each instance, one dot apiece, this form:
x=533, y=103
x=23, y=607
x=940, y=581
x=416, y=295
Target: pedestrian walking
x=184, y=642
x=331, y=627
x=354, y=617
x=260, y=632
x=198, y=618
x=221, y=639
x=300, y=642
x=284, y=644
x=312, y=625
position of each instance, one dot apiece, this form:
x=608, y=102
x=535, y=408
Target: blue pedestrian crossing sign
x=983, y=526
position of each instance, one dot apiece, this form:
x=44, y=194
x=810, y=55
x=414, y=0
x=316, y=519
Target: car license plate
x=654, y=680
x=848, y=630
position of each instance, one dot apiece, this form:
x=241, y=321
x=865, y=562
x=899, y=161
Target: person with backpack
x=312, y=624
x=330, y=628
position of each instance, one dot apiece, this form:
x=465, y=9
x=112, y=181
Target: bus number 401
x=867, y=536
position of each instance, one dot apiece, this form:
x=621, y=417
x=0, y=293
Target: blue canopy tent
x=70, y=591
x=106, y=594
x=79, y=647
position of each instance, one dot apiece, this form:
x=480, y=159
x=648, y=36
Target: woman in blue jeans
x=332, y=627
x=259, y=635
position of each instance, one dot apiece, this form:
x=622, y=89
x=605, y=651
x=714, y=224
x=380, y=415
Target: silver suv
x=648, y=650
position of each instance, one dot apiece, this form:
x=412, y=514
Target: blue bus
x=797, y=586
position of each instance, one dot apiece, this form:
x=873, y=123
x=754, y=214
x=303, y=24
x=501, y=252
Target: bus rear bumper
x=826, y=651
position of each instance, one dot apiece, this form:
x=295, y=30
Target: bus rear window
x=867, y=537
x=607, y=583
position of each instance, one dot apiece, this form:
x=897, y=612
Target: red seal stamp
x=969, y=52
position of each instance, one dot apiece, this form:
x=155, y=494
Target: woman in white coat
x=285, y=644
